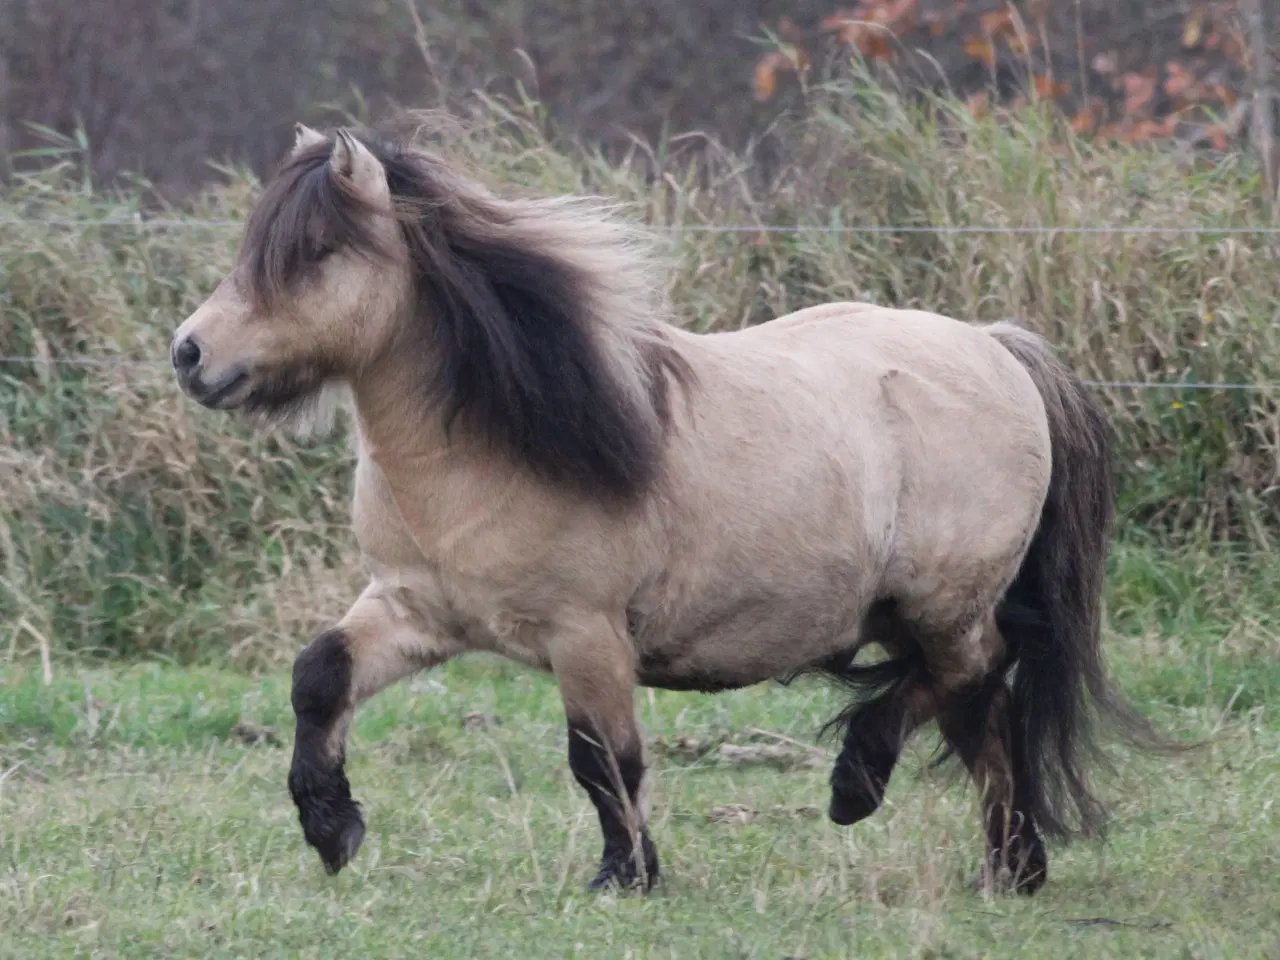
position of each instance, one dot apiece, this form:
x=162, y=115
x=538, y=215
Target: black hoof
x=858, y=781
x=847, y=808
x=619, y=870
x=857, y=789
x=1022, y=867
x=1028, y=867
x=337, y=849
x=331, y=821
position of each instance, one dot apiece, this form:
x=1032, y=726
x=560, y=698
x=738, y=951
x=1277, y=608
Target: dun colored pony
x=550, y=470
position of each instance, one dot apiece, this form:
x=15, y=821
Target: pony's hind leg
x=956, y=674
x=981, y=725
x=373, y=646
x=976, y=716
x=875, y=732
x=891, y=700
x=594, y=667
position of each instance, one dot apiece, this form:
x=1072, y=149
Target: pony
x=549, y=468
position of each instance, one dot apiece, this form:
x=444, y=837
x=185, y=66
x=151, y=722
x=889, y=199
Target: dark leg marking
x=599, y=775
x=331, y=820
x=983, y=727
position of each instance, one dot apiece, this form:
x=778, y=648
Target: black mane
x=513, y=342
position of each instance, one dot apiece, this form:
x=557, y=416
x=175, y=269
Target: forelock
x=306, y=207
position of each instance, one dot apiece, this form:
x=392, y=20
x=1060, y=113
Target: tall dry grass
x=133, y=521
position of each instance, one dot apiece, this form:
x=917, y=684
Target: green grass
x=135, y=820
x=156, y=555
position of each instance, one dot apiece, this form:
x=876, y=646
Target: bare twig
x=46, y=664
x=424, y=48
x=11, y=771
x=1260, y=80
x=785, y=739
x=521, y=809
x=1080, y=61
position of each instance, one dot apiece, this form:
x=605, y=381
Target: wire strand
x=185, y=223
x=1113, y=384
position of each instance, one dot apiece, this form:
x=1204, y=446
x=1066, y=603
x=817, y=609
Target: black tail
x=1051, y=617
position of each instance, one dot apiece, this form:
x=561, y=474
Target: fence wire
x=196, y=223
x=1114, y=384
x=798, y=228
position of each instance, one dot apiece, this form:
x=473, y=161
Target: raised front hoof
x=338, y=848
x=331, y=820
x=848, y=809
x=620, y=872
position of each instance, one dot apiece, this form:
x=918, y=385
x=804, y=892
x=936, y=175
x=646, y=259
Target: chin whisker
x=305, y=409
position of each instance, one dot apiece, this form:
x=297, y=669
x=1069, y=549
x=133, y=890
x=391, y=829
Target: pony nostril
x=186, y=355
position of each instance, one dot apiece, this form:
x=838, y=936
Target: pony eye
x=317, y=250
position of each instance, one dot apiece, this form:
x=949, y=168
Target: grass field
x=167, y=565
x=143, y=812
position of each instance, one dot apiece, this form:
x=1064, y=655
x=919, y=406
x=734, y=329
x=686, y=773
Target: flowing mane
x=542, y=324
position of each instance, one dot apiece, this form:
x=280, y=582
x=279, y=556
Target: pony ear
x=304, y=136
x=353, y=161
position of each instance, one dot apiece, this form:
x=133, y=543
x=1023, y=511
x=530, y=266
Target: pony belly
x=655, y=670
x=743, y=654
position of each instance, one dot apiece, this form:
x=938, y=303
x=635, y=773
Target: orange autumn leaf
x=869, y=39
x=765, y=79
x=980, y=48
x=1047, y=88
x=1112, y=131
x=875, y=46
x=995, y=22
x=976, y=104
x=788, y=59
x=1154, y=129
x=1217, y=137
x=1084, y=122
x=899, y=14
x=837, y=20
x=1020, y=44
x=854, y=33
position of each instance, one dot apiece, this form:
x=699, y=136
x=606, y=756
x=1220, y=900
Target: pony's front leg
x=372, y=647
x=595, y=668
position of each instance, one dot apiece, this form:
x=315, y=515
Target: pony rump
x=1052, y=614
x=540, y=323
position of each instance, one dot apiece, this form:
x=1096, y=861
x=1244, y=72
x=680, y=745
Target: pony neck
x=391, y=415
